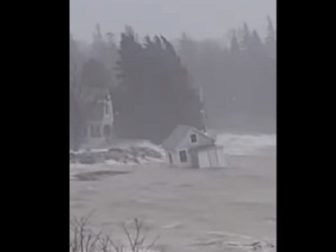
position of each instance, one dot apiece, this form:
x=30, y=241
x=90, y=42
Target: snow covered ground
x=232, y=209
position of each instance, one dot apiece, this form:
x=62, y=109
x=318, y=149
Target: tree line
x=238, y=79
x=157, y=84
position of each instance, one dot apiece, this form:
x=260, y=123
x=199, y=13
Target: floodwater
x=210, y=210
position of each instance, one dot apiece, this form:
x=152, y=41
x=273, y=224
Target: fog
x=200, y=18
x=172, y=125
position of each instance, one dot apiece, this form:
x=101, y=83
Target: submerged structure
x=191, y=148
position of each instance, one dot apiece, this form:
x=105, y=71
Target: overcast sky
x=199, y=18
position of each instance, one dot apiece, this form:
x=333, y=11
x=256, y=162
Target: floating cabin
x=187, y=147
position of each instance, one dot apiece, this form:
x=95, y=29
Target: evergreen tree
x=95, y=74
x=76, y=117
x=104, y=50
x=270, y=41
x=245, y=37
x=256, y=46
x=155, y=93
x=234, y=46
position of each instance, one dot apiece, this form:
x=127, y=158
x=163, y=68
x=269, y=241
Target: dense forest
x=238, y=80
x=157, y=84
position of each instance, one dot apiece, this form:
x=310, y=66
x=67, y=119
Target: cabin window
x=183, y=156
x=193, y=138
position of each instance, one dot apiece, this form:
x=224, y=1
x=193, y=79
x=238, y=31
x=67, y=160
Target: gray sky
x=199, y=18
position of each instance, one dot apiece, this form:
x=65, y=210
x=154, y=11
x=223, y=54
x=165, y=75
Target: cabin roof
x=178, y=134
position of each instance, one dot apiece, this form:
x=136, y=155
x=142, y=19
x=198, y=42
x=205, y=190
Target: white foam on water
x=243, y=144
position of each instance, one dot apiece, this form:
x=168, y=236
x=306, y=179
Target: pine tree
x=187, y=49
x=256, y=46
x=76, y=116
x=234, y=46
x=270, y=40
x=155, y=89
x=95, y=75
x=245, y=37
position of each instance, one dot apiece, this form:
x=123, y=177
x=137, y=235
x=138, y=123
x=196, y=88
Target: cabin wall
x=201, y=140
x=175, y=160
x=212, y=157
x=203, y=159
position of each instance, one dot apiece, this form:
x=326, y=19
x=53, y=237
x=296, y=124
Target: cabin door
x=203, y=159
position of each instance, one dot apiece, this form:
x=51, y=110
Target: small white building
x=190, y=148
x=99, y=130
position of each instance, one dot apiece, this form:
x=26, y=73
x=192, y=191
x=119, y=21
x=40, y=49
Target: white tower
x=201, y=94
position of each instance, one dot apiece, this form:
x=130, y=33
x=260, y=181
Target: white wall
x=201, y=140
x=177, y=162
x=203, y=159
x=213, y=157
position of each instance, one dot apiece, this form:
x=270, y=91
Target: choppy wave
x=240, y=144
